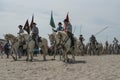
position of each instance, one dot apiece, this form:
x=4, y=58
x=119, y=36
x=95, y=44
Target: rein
x=64, y=41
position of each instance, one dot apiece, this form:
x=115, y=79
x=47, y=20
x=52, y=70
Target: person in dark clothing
x=7, y=48
x=35, y=34
x=81, y=38
x=20, y=29
x=93, y=39
x=59, y=28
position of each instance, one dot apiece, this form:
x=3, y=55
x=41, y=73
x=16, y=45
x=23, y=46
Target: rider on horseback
x=81, y=38
x=69, y=31
x=20, y=29
x=106, y=43
x=93, y=39
x=35, y=34
x=115, y=41
x=59, y=28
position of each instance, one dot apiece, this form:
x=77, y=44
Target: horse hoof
x=52, y=59
x=68, y=60
x=31, y=60
x=26, y=59
x=63, y=60
x=44, y=60
x=14, y=58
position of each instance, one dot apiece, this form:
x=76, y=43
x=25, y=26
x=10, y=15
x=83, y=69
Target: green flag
x=52, y=21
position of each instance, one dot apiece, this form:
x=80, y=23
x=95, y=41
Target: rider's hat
x=80, y=34
x=65, y=20
x=34, y=23
x=59, y=23
x=20, y=26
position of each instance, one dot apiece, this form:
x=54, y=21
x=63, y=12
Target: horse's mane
x=26, y=36
x=10, y=36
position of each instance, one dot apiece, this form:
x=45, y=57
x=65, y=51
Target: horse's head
x=6, y=37
x=9, y=37
x=23, y=38
x=52, y=38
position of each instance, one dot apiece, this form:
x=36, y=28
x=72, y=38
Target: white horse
x=52, y=39
x=62, y=40
x=31, y=44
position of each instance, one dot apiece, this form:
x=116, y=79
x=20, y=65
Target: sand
x=105, y=67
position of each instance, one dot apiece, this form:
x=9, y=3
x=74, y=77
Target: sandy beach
x=105, y=67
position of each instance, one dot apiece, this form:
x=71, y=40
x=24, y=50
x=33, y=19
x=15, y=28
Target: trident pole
x=101, y=30
x=74, y=29
x=80, y=29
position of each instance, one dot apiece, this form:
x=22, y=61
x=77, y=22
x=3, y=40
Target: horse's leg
x=31, y=55
x=16, y=54
x=14, y=51
x=64, y=53
x=54, y=52
x=27, y=55
x=44, y=54
x=66, y=56
x=73, y=55
x=82, y=50
x=60, y=53
x=90, y=51
x=12, y=55
x=1, y=54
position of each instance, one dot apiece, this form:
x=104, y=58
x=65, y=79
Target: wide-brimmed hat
x=20, y=26
x=80, y=34
x=59, y=23
x=34, y=23
x=65, y=20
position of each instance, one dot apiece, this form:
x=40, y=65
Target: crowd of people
x=5, y=48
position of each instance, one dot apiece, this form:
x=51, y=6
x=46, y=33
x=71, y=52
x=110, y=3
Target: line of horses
x=60, y=45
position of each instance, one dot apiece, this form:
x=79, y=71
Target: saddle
x=39, y=39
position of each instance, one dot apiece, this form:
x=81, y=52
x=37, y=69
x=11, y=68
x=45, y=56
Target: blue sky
x=91, y=15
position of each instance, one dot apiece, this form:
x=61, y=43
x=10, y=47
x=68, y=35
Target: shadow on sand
x=70, y=61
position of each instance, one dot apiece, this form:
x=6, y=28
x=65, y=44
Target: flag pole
x=80, y=29
x=74, y=29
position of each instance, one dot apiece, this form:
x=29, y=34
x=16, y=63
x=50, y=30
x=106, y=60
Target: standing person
x=115, y=41
x=81, y=38
x=69, y=31
x=93, y=39
x=59, y=28
x=106, y=43
x=7, y=48
x=35, y=34
x=20, y=29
